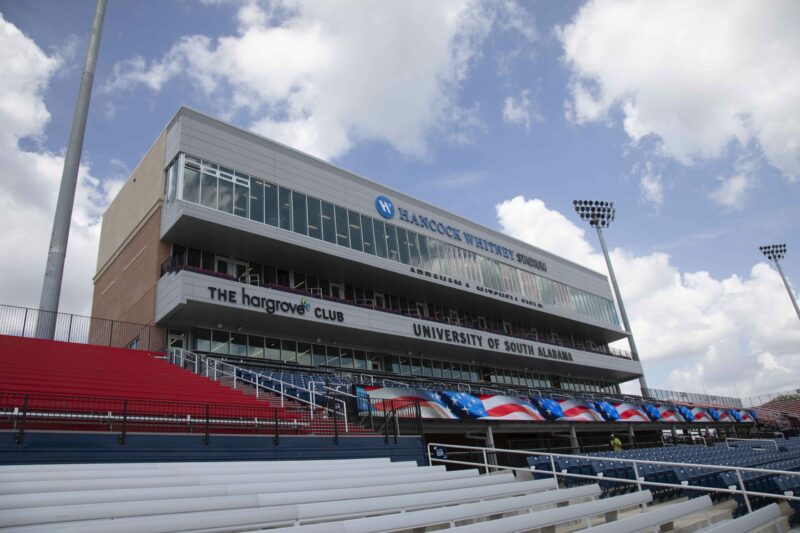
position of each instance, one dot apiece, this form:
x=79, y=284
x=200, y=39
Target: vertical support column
x=573, y=439
x=674, y=434
x=492, y=457
x=632, y=435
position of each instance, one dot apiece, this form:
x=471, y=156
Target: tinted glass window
x=299, y=213
x=202, y=340
x=380, y=239
x=272, y=349
x=367, y=234
x=257, y=200
x=241, y=199
x=314, y=218
x=270, y=204
x=342, y=235
x=219, y=341
x=354, y=223
x=191, y=185
x=391, y=242
x=238, y=344
x=328, y=225
x=208, y=191
x=285, y=208
x=226, y=196
x=402, y=239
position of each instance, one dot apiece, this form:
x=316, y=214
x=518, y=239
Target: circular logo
x=306, y=304
x=384, y=206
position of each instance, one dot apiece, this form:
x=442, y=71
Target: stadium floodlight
x=600, y=214
x=775, y=252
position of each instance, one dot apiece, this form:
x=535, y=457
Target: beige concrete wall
x=135, y=202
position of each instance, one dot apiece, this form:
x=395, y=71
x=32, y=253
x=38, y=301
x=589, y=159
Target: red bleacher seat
x=41, y=367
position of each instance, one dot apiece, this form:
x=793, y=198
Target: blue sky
x=683, y=114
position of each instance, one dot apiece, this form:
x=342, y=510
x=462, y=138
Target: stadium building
x=244, y=248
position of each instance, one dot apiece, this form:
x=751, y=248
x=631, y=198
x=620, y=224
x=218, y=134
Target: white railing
x=212, y=368
x=728, y=440
x=636, y=463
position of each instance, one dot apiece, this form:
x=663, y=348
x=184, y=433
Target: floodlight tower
x=600, y=214
x=775, y=252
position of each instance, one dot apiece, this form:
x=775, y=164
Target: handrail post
x=419, y=419
x=111, y=334
x=276, y=438
x=123, y=435
x=206, y=437
x=385, y=423
x=744, y=491
x=20, y=435
x=485, y=462
x=553, y=468
x=335, y=426
x=69, y=328
x=25, y=322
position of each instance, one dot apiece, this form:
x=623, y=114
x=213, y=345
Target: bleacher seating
x=36, y=366
x=60, y=377
x=345, y=496
x=764, y=457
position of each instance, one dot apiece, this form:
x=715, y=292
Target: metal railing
x=23, y=412
x=762, y=399
x=215, y=369
x=489, y=463
x=731, y=439
x=29, y=323
x=693, y=397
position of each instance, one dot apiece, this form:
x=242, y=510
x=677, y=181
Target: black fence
x=21, y=412
x=37, y=324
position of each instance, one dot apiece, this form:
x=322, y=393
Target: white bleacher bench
x=278, y=497
x=449, y=514
x=269, y=483
x=656, y=518
x=284, y=515
x=168, y=478
x=767, y=517
x=553, y=517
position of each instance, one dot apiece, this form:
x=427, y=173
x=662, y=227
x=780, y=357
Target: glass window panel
x=391, y=242
x=289, y=351
x=405, y=366
x=424, y=254
x=304, y=353
x=342, y=233
x=270, y=204
x=346, y=357
x=256, y=200
x=437, y=369
x=427, y=368
x=416, y=366
x=238, y=344
x=380, y=239
x=299, y=213
x=241, y=199
x=208, y=191
x=314, y=218
x=354, y=222
x=413, y=249
x=447, y=371
x=318, y=354
x=202, y=340
x=255, y=346
x=328, y=225
x=367, y=234
x=333, y=356
x=402, y=239
x=225, y=196
x=219, y=341
x=193, y=257
x=191, y=185
x=272, y=349
x=285, y=208
x=359, y=360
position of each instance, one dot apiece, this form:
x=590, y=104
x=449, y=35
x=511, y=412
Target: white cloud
x=321, y=76
x=651, y=188
x=30, y=181
x=723, y=335
x=519, y=110
x=731, y=191
x=697, y=76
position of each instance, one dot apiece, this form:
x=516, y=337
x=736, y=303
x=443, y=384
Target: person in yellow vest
x=616, y=444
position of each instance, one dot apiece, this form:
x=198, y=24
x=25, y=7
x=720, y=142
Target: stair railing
x=215, y=368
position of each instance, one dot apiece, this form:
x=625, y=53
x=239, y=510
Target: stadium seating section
x=784, y=456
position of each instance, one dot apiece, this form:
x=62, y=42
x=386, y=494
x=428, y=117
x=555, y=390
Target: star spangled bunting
x=608, y=411
x=465, y=405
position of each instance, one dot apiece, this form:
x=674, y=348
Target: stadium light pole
x=600, y=214
x=775, y=252
x=57, y=252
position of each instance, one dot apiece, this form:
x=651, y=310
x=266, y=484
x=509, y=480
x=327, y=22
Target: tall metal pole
x=625, y=323
x=788, y=289
x=54, y=271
